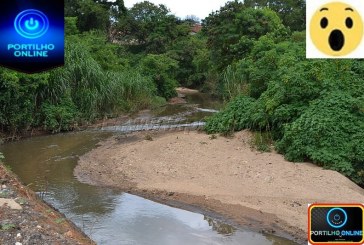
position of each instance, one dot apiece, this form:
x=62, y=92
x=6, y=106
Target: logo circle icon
x=336, y=29
x=337, y=218
x=31, y=24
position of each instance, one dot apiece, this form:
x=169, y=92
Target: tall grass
x=93, y=92
x=130, y=90
x=233, y=84
x=75, y=94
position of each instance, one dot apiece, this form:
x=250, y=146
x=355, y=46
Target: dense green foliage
x=117, y=60
x=251, y=53
x=312, y=109
x=152, y=28
x=19, y=99
x=292, y=12
x=230, y=40
x=76, y=94
x=161, y=69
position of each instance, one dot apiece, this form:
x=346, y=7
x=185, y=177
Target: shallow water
x=108, y=216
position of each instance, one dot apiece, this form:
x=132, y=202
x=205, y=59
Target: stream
x=107, y=215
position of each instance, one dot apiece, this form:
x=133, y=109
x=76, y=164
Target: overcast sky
x=182, y=8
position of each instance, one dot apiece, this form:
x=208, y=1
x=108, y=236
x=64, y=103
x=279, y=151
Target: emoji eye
x=324, y=22
x=349, y=22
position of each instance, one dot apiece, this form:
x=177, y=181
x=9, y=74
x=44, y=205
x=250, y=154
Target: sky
x=182, y=8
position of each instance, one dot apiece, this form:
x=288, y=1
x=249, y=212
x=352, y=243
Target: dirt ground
x=25, y=219
x=223, y=175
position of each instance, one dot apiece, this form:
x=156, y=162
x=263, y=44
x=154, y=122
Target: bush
x=314, y=109
x=60, y=117
x=95, y=92
x=130, y=91
x=233, y=118
x=85, y=81
x=330, y=133
x=20, y=97
x=162, y=70
x=77, y=93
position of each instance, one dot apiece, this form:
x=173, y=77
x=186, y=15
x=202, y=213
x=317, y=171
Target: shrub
x=314, y=109
x=233, y=118
x=330, y=133
x=162, y=70
x=61, y=117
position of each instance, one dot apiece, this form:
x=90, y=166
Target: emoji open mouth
x=336, y=40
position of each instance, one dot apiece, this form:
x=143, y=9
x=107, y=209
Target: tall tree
x=95, y=14
x=233, y=29
x=292, y=12
x=151, y=26
x=71, y=8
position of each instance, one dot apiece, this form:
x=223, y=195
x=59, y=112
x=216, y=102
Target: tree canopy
x=232, y=30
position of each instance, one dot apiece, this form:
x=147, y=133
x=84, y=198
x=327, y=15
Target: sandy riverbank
x=258, y=190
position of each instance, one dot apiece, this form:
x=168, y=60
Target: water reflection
x=199, y=106
x=204, y=101
x=139, y=221
x=220, y=227
x=106, y=215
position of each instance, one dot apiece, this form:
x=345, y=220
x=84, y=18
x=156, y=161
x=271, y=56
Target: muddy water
x=106, y=215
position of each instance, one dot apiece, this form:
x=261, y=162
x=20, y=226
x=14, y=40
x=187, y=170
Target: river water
x=107, y=215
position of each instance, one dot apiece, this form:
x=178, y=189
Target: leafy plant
x=161, y=69
x=59, y=117
x=232, y=118
x=7, y=226
x=60, y=220
x=328, y=133
x=312, y=109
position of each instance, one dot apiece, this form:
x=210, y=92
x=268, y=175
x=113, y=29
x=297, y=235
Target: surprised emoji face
x=336, y=29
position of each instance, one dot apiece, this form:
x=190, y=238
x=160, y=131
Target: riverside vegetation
x=312, y=109
x=252, y=54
